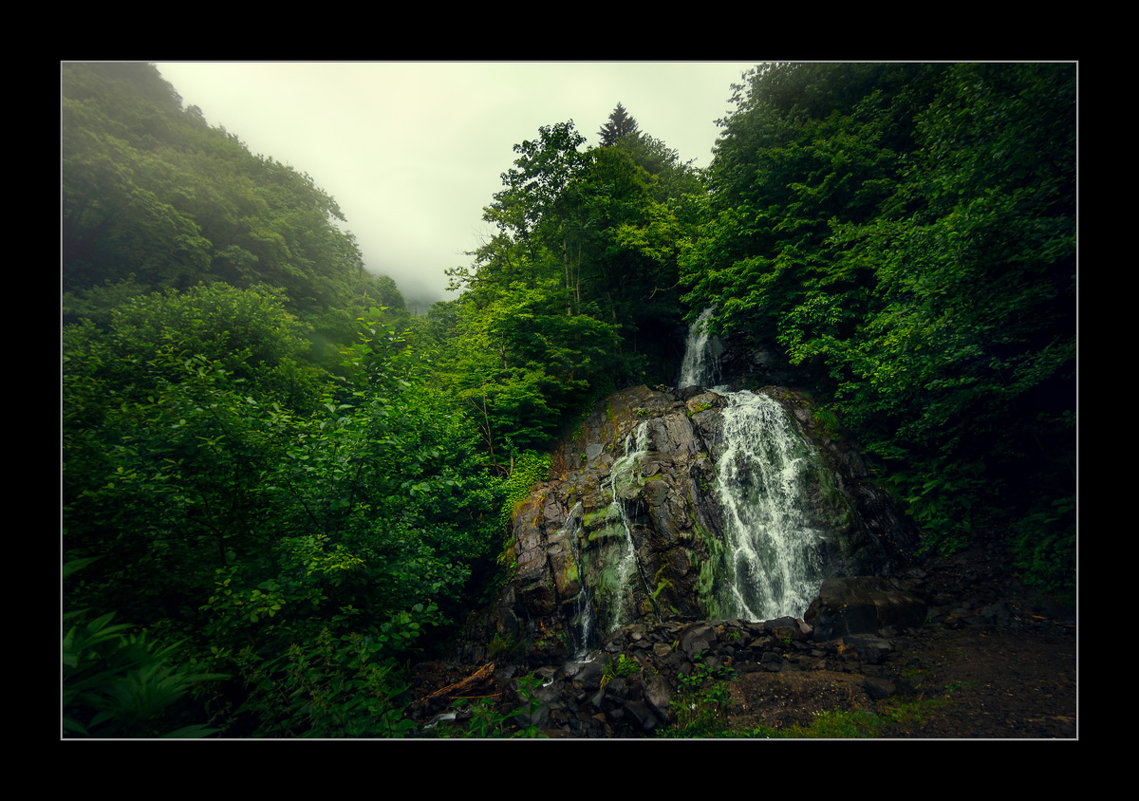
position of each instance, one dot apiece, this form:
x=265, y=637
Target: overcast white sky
x=413, y=151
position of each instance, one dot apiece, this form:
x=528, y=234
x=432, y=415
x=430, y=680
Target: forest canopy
x=279, y=487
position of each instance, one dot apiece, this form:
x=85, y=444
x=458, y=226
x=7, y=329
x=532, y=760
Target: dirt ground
x=1012, y=678
x=998, y=662
x=969, y=683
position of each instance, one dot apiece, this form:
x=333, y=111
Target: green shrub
x=118, y=683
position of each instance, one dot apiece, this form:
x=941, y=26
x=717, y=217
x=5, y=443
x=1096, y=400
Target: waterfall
x=773, y=554
x=772, y=551
x=701, y=364
x=581, y=625
x=624, y=477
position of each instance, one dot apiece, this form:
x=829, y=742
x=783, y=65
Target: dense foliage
x=278, y=487
x=260, y=486
x=909, y=232
x=576, y=294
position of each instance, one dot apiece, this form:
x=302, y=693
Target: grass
x=706, y=718
x=854, y=723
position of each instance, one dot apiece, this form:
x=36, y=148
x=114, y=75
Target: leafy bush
x=329, y=686
x=119, y=683
x=702, y=700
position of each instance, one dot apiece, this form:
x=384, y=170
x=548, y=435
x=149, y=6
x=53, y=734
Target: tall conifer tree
x=620, y=124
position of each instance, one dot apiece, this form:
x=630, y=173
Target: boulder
x=594, y=550
x=863, y=605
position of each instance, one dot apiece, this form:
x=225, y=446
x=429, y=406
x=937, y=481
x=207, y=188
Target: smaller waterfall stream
x=701, y=364
x=582, y=624
x=773, y=554
x=619, y=568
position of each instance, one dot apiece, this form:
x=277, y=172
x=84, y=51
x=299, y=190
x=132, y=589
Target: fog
x=413, y=151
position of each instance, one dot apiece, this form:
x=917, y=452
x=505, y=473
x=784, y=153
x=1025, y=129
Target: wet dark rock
x=697, y=639
x=630, y=686
x=639, y=711
x=565, y=532
x=625, y=681
x=863, y=605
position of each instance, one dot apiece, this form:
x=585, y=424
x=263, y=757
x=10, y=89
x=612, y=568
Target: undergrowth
x=702, y=710
x=850, y=723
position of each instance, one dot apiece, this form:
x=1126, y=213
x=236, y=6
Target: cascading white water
x=772, y=558
x=581, y=625
x=623, y=477
x=773, y=553
x=700, y=368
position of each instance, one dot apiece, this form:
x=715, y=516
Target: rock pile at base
x=631, y=686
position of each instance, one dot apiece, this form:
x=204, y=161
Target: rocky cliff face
x=639, y=524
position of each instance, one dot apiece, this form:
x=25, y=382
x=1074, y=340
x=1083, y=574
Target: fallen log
x=469, y=683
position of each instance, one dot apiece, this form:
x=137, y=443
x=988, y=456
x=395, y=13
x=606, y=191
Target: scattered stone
x=776, y=680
